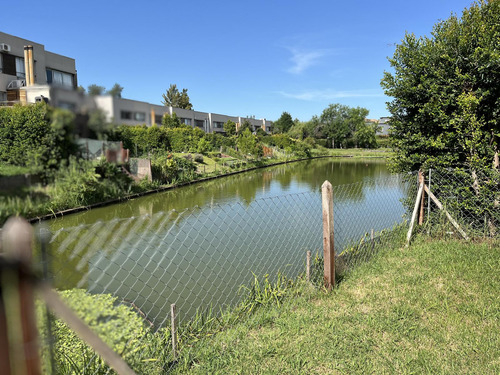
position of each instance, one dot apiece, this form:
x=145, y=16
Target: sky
x=255, y=58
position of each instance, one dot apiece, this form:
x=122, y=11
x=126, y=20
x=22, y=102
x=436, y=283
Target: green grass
x=431, y=309
x=361, y=152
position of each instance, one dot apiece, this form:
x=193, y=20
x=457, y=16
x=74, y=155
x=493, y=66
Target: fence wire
x=472, y=198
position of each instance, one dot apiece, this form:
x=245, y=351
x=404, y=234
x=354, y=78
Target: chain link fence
x=471, y=198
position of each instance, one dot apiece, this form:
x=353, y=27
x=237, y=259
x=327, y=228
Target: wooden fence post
x=18, y=298
x=421, y=181
x=328, y=238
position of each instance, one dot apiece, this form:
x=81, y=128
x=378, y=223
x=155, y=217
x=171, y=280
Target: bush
x=36, y=135
x=168, y=168
x=198, y=158
x=117, y=324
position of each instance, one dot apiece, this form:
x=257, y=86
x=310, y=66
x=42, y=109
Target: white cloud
x=302, y=60
x=325, y=95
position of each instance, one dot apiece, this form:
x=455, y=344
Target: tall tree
x=174, y=98
x=441, y=80
x=94, y=90
x=115, y=91
x=446, y=107
x=339, y=123
x=230, y=127
x=283, y=124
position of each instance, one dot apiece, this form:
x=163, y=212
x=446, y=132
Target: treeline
x=339, y=126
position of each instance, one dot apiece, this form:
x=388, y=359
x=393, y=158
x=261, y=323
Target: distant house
x=29, y=73
x=384, y=126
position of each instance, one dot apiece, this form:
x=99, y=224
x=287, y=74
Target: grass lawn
x=431, y=309
x=361, y=152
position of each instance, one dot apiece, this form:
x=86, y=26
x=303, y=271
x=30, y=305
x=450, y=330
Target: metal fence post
x=421, y=181
x=328, y=238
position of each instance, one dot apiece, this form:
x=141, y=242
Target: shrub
x=198, y=158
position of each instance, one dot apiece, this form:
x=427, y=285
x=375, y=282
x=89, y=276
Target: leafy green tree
x=246, y=125
x=95, y=90
x=247, y=144
x=283, y=124
x=115, y=91
x=339, y=123
x=446, y=91
x=230, y=127
x=171, y=121
x=174, y=98
x=446, y=107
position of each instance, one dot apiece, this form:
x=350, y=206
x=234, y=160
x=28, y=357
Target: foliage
x=174, y=98
x=248, y=145
x=95, y=90
x=171, y=121
x=340, y=123
x=119, y=325
x=35, y=135
x=203, y=146
x=115, y=91
x=230, y=127
x=283, y=124
x=198, y=158
x=79, y=183
x=446, y=105
x=244, y=126
x=168, y=168
x=446, y=91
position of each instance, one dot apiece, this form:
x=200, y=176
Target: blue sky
x=255, y=58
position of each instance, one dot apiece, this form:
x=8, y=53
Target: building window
x=58, y=78
x=9, y=64
x=20, y=73
x=199, y=123
x=139, y=116
x=218, y=124
x=3, y=97
x=126, y=115
x=186, y=121
x=158, y=119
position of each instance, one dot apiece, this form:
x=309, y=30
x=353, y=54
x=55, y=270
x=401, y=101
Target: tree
x=339, y=123
x=284, y=123
x=95, y=90
x=115, y=91
x=230, y=127
x=446, y=106
x=244, y=126
x=174, y=98
x=171, y=121
x=440, y=81
x=247, y=144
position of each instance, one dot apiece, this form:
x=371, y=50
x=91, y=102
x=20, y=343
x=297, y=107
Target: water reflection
x=245, y=187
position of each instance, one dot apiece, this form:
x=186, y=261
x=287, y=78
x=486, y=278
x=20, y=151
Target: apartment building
x=29, y=73
x=24, y=64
